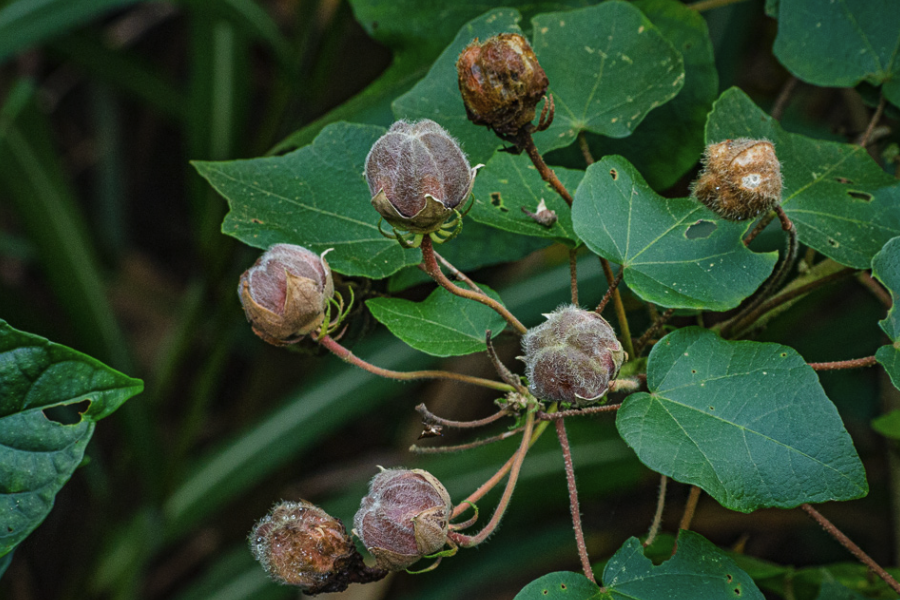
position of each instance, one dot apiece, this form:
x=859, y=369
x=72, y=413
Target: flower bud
x=404, y=517
x=285, y=293
x=501, y=82
x=417, y=175
x=741, y=179
x=299, y=544
x=572, y=356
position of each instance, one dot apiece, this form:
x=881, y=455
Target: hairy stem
x=430, y=416
x=690, y=508
x=763, y=223
x=784, y=97
x=847, y=543
x=577, y=412
x=546, y=172
x=868, y=361
x=519, y=457
x=504, y=373
x=573, y=499
x=460, y=447
x=651, y=331
x=344, y=354
x=585, y=148
x=609, y=292
x=573, y=275
x=873, y=286
x=432, y=268
x=864, y=140
x=657, y=516
x=459, y=275
x=619, y=306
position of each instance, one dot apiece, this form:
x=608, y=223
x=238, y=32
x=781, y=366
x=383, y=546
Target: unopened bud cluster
x=741, y=179
x=285, y=293
x=572, y=356
x=417, y=175
x=501, y=82
x=404, y=517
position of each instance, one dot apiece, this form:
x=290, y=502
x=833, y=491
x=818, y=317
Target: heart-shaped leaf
x=667, y=260
x=842, y=203
x=38, y=455
x=442, y=325
x=748, y=422
x=839, y=44
x=316, y=197
x=886, y=268
x=698, y=570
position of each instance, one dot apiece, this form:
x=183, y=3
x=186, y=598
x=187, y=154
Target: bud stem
x=430, y=416
x=431, y=267
x=651, y=331
x=868, y=361
x=657, y=516
x=546, y=172
x=347, y=356
x=619, y=306
x=573, y=274
x=573, y=499
x=469, y=541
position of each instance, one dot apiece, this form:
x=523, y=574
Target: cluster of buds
x=418, y=177
x=572, y=356
x=501, y=83
x=741, y=179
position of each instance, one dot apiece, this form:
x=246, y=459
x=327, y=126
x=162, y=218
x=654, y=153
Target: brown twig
x=573, y=274
x=864, y=140
x=344, y=354
x=847, y=543
x=657, y=516
x=868, y=361
x=873, y=286
x=432, y=268
x=585, y=148
x=763, y=223
x=651, y=331
x=546, y=172
x=468, y=446
x=573, y=499
x=609, y=292
x=689, y=508
x=430, y=416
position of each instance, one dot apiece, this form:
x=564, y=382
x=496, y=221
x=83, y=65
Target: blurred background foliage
x=110, y=243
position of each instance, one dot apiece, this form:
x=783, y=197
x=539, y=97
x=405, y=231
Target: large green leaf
x=841, y=43
x=670, y=139
x=442, y=325
x=38, y=455
x=608, y=67
x=886, y=268
x=748, y=422
x=842, y=203
x=437, y=97
x=509, y=183
x=620, y=218
x=698, y=570
x=316, y=197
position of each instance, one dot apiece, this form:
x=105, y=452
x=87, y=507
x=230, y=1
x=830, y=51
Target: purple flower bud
x=417, y=175
x=299, y=544
x=285, y=293
x=405, y=516
x=572, y=356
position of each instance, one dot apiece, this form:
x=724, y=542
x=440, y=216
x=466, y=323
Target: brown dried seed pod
x=741, y=179
x=404, y=517
x=299, y=544
x=501, y=82
x=285, y=293
x=572, y=356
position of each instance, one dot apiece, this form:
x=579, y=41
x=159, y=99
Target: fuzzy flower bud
x=299, y=544
x=285, y=293
x=404, y=517
x=417, y=175
x=501, y=82
x=741, y=179
x=572, y=356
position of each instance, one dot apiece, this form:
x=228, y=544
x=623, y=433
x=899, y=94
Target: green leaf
x=38, y=454
x=25, y=23
x=842, y=203
x=509, y=183
x=832, y=590
x=888, y=425
x=840, y=44
x=437, y=97
x=608, y=67
x=698, y=570
x=620, y=218
x=670, y=140
x=442, y=325
x=315, y=197
x=886, y=269
x=748, y=422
